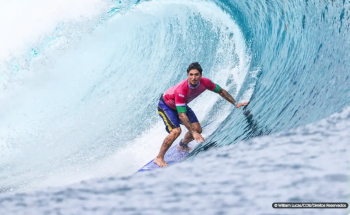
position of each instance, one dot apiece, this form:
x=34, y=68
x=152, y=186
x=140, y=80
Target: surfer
x=173, y=109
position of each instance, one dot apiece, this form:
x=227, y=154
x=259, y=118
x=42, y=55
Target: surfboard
x=171, y=157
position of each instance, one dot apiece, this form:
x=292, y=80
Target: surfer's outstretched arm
x=224, y=94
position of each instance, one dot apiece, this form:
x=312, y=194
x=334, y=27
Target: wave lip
x=24, y=22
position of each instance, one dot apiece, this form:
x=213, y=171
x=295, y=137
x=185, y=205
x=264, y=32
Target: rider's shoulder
x=205, y=80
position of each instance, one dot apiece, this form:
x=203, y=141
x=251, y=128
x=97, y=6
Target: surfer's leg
x=188, y=138
x=159, y=160
x=171, y=121
x=195, y=126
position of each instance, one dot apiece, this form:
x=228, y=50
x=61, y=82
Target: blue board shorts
x=171, y=118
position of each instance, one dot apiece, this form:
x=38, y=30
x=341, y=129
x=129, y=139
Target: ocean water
x=79, y=86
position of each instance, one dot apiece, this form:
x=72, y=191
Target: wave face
x=80, y=84
x=302, y=51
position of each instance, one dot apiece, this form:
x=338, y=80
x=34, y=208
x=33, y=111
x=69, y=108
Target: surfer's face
x=194, y=77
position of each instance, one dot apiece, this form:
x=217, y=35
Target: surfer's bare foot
x=184, y=149
x=160, y=162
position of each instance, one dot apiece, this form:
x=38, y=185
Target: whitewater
x=80, y=81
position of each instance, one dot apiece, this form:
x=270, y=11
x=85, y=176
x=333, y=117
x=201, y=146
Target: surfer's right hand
x=239, y=105
x=198, y=137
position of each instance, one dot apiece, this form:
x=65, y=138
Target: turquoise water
x=79, y=95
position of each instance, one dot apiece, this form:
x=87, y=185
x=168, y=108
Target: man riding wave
x=173, y=109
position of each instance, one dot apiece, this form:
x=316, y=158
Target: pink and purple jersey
x=178, y=96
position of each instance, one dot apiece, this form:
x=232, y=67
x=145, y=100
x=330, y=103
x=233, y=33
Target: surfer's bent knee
x=176, y=132
x=198, y=129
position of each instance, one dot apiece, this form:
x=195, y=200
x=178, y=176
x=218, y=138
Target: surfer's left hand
x=198, y=137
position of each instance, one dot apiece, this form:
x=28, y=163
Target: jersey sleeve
x=209, y=85
x=180, y=101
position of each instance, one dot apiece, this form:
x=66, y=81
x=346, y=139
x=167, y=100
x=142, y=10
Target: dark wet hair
x=195, y=65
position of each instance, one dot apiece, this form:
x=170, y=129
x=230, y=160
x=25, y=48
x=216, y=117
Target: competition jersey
x=178, y=96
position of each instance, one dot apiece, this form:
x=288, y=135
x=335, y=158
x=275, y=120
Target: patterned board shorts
x=171, y=118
